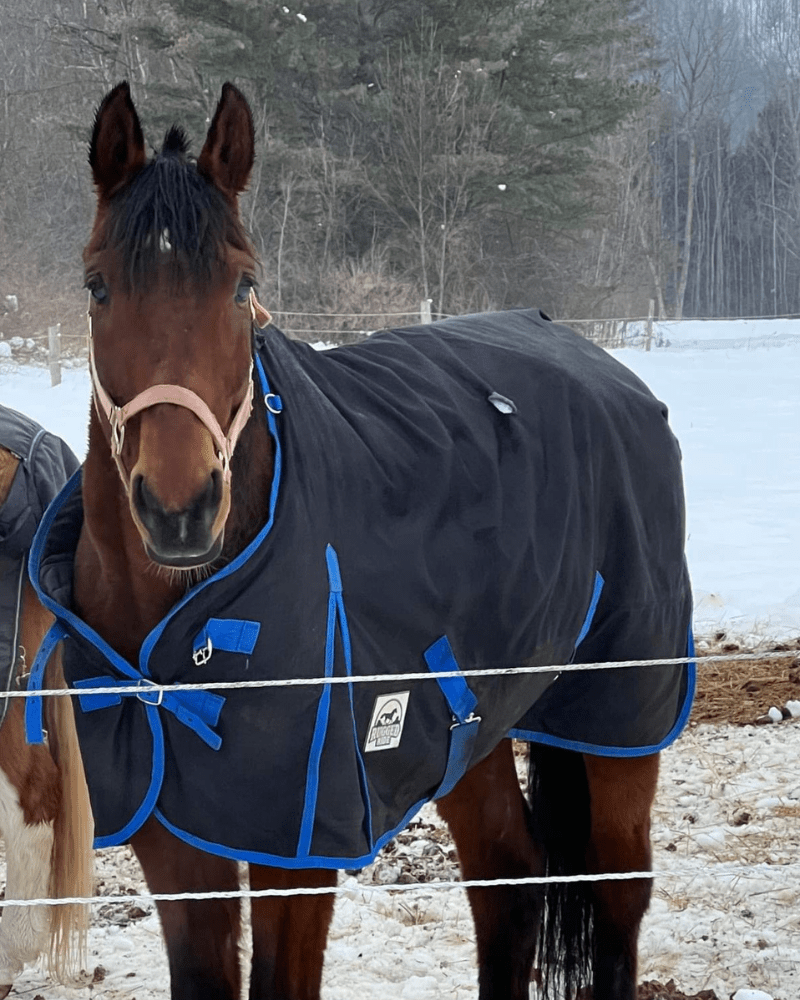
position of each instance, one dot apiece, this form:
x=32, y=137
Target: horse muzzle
x=183, y=539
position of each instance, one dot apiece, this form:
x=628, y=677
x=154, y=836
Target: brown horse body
x=166, y=507
x=44, y=811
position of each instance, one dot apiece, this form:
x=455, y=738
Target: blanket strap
x=462, y=703
x=34, y=728
x=234, y=635
x=197, y=709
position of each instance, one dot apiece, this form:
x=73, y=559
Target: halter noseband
x=178, y=395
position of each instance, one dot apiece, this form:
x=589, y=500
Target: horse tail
x=560, y=822
x=72, y=862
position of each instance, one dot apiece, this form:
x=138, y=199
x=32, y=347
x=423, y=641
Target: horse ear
x=228, y=154
x=116, y=152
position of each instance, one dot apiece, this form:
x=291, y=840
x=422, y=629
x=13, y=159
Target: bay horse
x=187, y=473
x=45, y=818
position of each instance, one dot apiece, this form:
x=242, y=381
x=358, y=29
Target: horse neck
x=118, y=591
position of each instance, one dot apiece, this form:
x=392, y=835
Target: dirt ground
x=742, y=692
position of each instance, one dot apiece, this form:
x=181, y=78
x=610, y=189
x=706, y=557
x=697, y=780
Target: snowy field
x=727, y=820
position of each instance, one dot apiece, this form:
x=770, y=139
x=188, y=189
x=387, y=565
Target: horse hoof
x=5, y=990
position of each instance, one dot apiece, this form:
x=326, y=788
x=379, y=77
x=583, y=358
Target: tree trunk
x=687, y=230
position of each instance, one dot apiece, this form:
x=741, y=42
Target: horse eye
x=98, y=289
x=243, y=291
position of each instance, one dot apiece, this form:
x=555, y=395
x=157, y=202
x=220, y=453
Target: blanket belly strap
x=462, y=703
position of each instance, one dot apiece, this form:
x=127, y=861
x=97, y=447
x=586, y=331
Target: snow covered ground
x=736, y=412
x=725, y=916
x=727, y=819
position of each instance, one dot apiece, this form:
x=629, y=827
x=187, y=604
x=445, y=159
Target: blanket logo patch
x=388, y=719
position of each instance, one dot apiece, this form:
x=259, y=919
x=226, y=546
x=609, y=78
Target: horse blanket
x=485, y=492
x=45, y=464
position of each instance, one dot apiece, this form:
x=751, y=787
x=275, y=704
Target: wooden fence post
x=54, y=353
x=425, y=310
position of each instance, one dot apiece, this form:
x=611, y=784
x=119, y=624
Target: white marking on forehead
x=164, y=244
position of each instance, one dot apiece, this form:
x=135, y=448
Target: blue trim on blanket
x=599, y=582
x=34, y=728
x=61, y=613
x=336, y=615
x=148, y=803
x=606, y=751
x=312, y=861
x=323, y=711
x=348, y=662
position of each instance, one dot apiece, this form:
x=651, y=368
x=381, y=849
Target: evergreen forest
x=585, y=156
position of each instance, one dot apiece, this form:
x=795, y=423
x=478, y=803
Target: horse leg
x=488, y=818
x=621, y=793
x=289, y=934
x=202, y=936
x=29, y=801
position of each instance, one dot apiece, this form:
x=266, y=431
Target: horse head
x=170, y=272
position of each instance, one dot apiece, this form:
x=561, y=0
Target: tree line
x=586, y=158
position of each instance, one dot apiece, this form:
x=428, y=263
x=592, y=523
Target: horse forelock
x=169, y=220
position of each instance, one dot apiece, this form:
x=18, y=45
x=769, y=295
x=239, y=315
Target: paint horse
x=486, y=492
x=44, y=807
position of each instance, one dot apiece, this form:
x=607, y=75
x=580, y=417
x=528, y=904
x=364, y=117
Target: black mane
x=170, y=213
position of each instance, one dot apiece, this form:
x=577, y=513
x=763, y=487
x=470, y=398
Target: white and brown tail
x=72, y=859
x=45, y=816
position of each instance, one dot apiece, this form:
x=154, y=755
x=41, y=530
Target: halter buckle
x=117, y=431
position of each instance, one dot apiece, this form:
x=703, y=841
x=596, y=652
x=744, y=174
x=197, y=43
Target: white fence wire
x=153, y=689
x=729, y=871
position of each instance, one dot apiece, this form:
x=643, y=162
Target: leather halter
x=177, y=395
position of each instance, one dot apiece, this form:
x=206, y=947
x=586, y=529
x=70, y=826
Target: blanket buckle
x=202, y=655
x=146, y=689
x=472, y=717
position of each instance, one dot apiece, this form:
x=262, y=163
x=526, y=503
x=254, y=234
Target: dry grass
x=742, y=692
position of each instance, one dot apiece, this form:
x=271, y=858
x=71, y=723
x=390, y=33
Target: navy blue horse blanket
x=490, y=491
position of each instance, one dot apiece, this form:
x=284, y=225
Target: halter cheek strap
x=178, y=395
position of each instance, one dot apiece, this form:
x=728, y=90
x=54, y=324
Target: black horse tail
x=560, y=822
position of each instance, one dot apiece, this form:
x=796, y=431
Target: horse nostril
x=141, y=494
x=216, y=488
